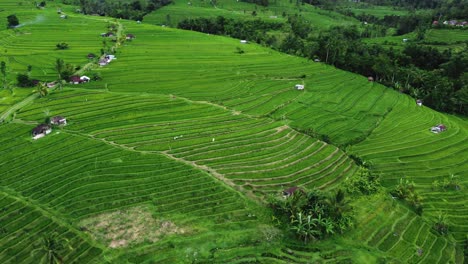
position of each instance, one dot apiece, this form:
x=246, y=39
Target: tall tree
x=59, y=67
x=13, y=21
x=4, y=74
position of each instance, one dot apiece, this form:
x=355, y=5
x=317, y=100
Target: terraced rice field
x=422, y=156
x=191, y=136
x=34, y=42
x=260, y=155
x=259, y=83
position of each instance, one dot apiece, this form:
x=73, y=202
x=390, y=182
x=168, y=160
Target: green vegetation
x=13, y=21
x=172, y=153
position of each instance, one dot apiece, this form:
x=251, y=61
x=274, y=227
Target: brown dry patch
x=129, y=227
x=281, y=128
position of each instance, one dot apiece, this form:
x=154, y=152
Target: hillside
x=171, y=156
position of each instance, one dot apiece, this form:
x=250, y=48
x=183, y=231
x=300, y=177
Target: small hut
x=244, y=41
x=103, y=62
x=370, y=79
x=130, y=37
x=291, y=191
x=75, y=79
x=58, y=120
x=41, y=130
x=299, y=87
x=419, y=102
x=438, y=129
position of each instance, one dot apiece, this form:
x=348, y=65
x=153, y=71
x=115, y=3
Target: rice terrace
x=233, y=131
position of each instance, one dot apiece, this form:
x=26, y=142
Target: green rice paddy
x=198, y=135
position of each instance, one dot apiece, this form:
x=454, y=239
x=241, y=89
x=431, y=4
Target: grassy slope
x=257, y=83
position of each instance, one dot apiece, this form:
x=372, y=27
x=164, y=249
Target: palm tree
x=51, y=249
x=41, y=88
x=338, y=205
x=305, y=227
x=59, y=67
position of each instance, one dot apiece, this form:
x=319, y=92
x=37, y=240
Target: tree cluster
x=12, y=21
x=363, y=182
x=313, y=215
x=254, y=30
x=438, y=78
x=258, y=2
x=134, y=10
x=405, y=190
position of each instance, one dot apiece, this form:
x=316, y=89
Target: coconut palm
x=41, y=88
x=59, y=67
x=51, y=249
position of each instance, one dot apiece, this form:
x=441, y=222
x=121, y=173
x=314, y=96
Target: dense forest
x=134, y=10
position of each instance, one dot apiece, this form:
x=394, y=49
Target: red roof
x=75, y=78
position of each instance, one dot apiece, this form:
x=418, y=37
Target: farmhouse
x=58, y=120
x=41, y=130
x=130, y=36
x=103, y=62
x=75, y=79
x=110, y=57
x=299, y=87
x=51, y=84
x=291, y=191
x=439, y=128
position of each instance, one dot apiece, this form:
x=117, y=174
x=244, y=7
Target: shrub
x=362, y=182
x=441, y=225
x=13, y=21
x=62, y=45
x=24, y=81
x=406, y=191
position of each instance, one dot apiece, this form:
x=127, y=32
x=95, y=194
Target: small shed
x=110, y=57
x=84, y=78
x=58, y=120
x=51, y=84
x=130, y=36
x=316, y=60
x=41, y=130
x=103, y=62
x=243, y=41
x=438, y=128
x=419, y=102
x=291, y=191
x=75, y=79
x=63, y=16
x=370, y=79
x=299, y=87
